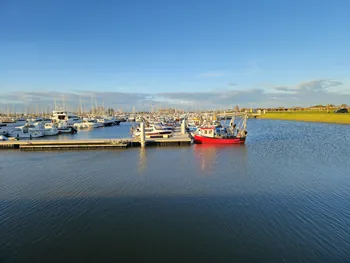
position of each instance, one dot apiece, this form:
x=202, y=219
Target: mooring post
x=142, y=134
x=183, y=126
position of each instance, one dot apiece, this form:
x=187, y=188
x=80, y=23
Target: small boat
x=46, y=130
x=62, y=127
x=121, y=118
x=151, y=131
x=23, y=132
x=162, y=126
x=3, y=138
x=106, y=122
x=88, y=124
x=3, y=124
x=8, y=120
x=131, y=118
x=114, y=120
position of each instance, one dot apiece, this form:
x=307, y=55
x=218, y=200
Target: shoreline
x=316, y=117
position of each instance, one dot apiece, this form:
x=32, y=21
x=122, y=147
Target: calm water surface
x=283, y=197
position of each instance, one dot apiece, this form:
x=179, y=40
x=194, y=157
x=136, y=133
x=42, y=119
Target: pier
x=178, y=139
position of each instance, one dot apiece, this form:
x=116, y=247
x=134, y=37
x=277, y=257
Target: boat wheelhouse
x=63, y=115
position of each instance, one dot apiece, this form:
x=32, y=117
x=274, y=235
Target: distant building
x=166, y=111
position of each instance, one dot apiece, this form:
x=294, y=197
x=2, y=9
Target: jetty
x=179, y=138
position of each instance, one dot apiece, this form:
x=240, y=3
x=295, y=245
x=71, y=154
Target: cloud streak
x=320, y=91
x=311, y=86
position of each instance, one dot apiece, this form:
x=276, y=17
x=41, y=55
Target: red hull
x=202, y=139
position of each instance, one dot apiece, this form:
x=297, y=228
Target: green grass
x=309, y=116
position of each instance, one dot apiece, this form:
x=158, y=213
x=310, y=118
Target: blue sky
x=184, y=53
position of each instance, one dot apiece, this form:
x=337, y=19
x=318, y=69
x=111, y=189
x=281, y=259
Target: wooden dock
x=177, y=139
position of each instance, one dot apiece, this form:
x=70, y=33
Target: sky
x=186, y=54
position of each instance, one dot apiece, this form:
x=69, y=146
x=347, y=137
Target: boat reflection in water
x=209, y=157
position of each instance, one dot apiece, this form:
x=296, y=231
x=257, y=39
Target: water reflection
x=209, y=156
x=205, y=156
x=142, y=160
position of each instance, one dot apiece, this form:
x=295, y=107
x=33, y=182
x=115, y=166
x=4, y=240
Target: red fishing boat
x=221, y=135
x=210, y=136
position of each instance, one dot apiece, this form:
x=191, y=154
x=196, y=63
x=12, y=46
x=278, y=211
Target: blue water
x=282, y=197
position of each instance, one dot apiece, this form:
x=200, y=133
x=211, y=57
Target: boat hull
x=155, y=133
x=67, y=130
x=206, y=140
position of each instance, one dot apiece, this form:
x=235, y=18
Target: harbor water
x=281, y=197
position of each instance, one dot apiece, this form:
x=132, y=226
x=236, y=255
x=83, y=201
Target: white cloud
x=311, y=86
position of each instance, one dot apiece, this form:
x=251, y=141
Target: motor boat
x=106, y=122
x=24, y=132
x=3, y=138
x=164, y=127
x=8, y=120
x=64, y=115
x=88, y=124
x=46, y=130
x=62, y=127
x=151, y=131
x=131, y=118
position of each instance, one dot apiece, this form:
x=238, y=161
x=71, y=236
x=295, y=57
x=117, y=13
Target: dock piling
x=183, y=127
x=142, y=135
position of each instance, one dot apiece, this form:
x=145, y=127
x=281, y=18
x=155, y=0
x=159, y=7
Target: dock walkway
x=177, y=139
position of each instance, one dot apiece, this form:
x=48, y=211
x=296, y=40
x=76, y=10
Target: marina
x=151, y=129
x=174, y=131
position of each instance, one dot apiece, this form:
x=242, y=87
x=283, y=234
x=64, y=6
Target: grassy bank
x=316, y=116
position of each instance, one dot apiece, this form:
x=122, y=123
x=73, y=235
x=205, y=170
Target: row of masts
x=95, y=108
x=82, y=108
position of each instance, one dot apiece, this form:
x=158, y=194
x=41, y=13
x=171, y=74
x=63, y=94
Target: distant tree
x=110, y=111
x=343, y=106
x=236, y=109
